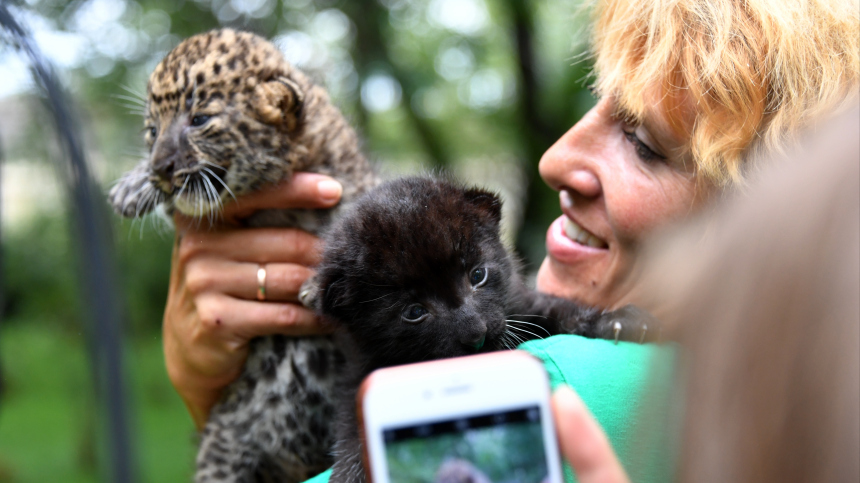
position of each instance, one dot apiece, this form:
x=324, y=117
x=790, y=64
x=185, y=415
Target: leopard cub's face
x=223, y=115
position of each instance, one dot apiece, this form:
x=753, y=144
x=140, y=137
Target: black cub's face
x=416, y=271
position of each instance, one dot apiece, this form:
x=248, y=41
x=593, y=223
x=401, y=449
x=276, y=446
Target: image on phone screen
x=498, y=447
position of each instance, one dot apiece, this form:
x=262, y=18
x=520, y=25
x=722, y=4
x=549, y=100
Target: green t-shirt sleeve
x=321, y=478
x=618, y=383
x=611, y=379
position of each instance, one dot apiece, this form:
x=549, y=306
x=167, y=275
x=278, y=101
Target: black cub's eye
x=153, y=132
x=414, y=313
x=478, y=277
x=199, y=120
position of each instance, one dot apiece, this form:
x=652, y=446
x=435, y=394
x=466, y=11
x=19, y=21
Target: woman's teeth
x=576, y=233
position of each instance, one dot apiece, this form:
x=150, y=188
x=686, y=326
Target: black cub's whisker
x=519, y=340
x=528, y=323
x=374, y=284
x=523, y=330
x=377, y=298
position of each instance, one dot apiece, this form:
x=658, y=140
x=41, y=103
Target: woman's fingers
x=253, y=245
x=212, y=311
x=583, y=442
x=247, y=319
x=302, y=190
x=282, y=280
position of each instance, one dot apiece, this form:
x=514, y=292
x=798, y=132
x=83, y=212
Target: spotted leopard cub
x=226, y=115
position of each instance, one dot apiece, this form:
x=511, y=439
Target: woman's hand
x=583, y=443
x=212, y=311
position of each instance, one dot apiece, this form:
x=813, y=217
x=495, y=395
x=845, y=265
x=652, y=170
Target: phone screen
x=482, y=448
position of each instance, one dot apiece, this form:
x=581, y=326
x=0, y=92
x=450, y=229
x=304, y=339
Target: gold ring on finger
x=261, y=283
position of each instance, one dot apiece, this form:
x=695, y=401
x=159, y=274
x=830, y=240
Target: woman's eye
x=642, y=150
x=414, y=313
x=199, y=120
x=478, y=277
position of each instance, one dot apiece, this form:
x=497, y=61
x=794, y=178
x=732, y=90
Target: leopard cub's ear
x=279, y=102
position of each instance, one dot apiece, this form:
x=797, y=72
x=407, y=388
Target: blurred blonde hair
x=733, y=76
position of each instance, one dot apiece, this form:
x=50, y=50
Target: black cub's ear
x=487, y=202
x=279, y=102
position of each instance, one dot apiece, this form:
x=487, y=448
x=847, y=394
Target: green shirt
x=626, y=387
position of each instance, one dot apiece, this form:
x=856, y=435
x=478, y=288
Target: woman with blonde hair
x=690, y=92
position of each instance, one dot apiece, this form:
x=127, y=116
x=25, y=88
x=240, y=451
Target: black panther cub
x=416, y=270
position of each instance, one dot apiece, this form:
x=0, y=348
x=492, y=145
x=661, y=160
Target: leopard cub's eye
x=478, y=277
x=414, y=313
x=199, y=120
x=153, y=132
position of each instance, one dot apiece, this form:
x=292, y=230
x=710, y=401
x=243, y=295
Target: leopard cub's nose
x=164, y=168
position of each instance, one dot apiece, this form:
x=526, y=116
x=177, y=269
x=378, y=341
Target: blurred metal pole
x=95, y=258
x=2, y=279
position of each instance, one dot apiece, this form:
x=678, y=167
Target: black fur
x=419, y=241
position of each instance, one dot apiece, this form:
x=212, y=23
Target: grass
x=49, y=418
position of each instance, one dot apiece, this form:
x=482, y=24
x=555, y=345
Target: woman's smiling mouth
x=580, y=235
x=572, y=229
x=563, y=243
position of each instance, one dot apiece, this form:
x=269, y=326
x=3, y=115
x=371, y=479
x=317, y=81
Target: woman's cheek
x=645, y=209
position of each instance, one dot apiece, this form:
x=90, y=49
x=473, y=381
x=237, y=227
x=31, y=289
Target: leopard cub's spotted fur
x=225, y=115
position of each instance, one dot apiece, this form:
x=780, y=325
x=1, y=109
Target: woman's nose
x=573, y=161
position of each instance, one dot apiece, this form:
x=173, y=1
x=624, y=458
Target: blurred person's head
x=690, y=91
x=764, y=299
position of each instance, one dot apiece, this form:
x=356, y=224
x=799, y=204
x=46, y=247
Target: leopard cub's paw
x=133, y=195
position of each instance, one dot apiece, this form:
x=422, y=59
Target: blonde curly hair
x=733, y=76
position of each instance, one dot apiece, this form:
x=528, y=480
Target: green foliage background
x=477, y=87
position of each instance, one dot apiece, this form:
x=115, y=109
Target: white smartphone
x=478, y=419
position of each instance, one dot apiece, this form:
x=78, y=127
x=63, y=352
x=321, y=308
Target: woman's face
x=617, y=182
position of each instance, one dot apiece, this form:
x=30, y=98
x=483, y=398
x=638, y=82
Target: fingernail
x=565, y=395
x=329, y=190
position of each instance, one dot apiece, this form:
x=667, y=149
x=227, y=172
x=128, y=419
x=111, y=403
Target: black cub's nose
x=480, y=343
x=475, y=341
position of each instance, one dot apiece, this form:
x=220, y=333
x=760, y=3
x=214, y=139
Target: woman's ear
x=279, y=102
